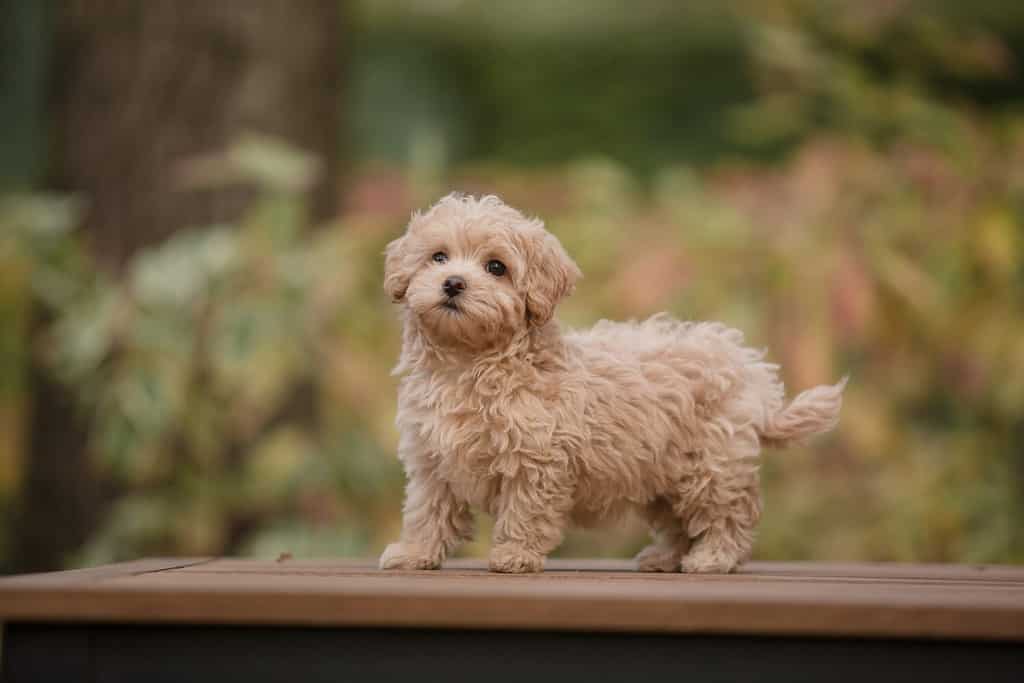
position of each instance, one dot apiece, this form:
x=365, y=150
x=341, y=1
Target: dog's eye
x=496, y=268
x=440, y=257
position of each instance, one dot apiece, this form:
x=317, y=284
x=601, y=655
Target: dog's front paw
x=707, y=561
x=658, y=558
x=509, y=559
x=407, y=556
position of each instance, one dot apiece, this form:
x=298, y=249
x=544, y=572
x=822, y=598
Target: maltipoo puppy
x=501, y=410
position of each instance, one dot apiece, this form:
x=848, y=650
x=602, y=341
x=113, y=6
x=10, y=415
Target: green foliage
x=539, y=82
x=207, y=373
x=236, y=378
x=660, y=82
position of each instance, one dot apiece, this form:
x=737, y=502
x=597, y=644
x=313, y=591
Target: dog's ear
x=551, y=276
x=396, y=270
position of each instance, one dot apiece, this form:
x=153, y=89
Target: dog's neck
x=532, y=345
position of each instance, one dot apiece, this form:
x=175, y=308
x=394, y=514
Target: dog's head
x=473, y=271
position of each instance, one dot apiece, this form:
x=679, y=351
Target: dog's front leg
x=433, y=523
x=531, y=516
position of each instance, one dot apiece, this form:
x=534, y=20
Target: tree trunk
x=140, y=88
x=144, y=86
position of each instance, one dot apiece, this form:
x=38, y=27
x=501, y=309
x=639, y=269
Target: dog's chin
x=461, y=324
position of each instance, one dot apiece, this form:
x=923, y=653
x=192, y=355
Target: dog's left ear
x=551, y=276
x=396, y=271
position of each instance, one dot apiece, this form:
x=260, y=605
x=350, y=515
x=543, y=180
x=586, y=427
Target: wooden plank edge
x=520, y=612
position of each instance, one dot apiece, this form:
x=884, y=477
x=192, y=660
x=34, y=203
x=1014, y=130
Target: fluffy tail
x=811, y=412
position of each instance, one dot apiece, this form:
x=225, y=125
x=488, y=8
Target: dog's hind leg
x=722, y=519
x=669, y=536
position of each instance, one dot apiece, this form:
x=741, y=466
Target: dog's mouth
x=450, y=305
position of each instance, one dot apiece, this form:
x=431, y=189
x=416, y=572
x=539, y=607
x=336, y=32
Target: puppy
x=500, y=410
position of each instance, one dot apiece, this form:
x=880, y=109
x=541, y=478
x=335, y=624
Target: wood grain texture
x=80, y=577
x=908, y=601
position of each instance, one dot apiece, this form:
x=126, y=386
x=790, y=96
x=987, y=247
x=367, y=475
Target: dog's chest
x=474, y=432
x=468, y=450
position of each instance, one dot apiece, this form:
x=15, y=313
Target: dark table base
x=92, y=653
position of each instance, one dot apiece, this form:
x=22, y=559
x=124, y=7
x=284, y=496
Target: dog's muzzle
x=453, y=286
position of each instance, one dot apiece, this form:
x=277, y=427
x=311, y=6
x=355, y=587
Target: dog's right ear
x=396, y=271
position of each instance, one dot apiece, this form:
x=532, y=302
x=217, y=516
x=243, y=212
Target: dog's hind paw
x=407, y=556
x=512, y=560
x=704, y=561
x=658, y=558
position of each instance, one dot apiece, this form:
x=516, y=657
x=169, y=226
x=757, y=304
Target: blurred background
x=194, y=198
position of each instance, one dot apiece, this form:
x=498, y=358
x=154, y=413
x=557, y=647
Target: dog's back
x=701, y=370
x=667, y=400
x=692, y=371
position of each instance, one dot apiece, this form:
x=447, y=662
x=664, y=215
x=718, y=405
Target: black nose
x=453, y=285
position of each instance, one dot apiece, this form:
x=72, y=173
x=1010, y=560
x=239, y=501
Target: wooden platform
x=886, y=608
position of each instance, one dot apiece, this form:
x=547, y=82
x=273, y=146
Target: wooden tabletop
x=872, y=600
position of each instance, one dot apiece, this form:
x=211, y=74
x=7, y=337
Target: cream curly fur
x=500, y=410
